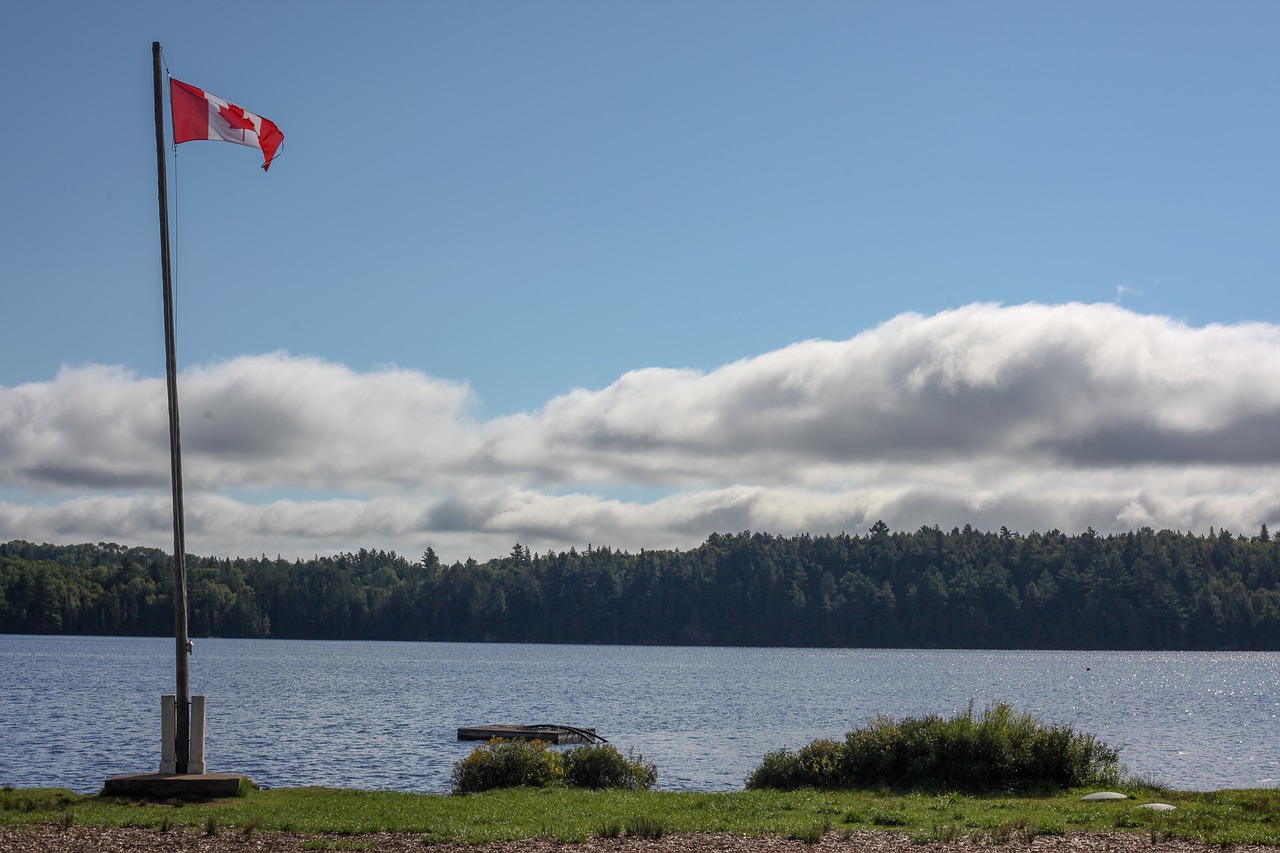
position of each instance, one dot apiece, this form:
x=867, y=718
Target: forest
x=929, y=588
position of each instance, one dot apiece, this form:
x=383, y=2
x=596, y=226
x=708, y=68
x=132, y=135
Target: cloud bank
x=1031, y=417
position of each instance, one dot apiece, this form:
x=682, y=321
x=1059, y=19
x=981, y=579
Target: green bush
x=513, y=764
x=1000, y=750
x=507, y=764
x=780, y=770
x=602, y=766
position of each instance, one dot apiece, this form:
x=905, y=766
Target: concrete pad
x=162, y=786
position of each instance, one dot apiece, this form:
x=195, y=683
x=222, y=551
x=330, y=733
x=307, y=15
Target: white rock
x=1104, y=795
x=1158, y=807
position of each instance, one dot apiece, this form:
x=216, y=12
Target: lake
x=75, y=710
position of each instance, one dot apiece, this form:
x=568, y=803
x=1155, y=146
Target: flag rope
x=173, y=208
x=175, y=252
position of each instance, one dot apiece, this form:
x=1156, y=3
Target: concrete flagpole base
x=168, y=782
x=163, y=786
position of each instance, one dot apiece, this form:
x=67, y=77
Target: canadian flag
x=200, y=115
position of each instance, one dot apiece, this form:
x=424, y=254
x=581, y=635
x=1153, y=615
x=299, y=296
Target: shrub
x=780, y=769
x=602, y=766
x=512, y=764
x=819, y=761
x=816, y=765
x=507, y=764
x=1001, y=749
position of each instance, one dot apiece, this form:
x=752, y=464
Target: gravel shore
x=80, y=839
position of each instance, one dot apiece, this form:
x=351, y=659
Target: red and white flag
x=200, y=115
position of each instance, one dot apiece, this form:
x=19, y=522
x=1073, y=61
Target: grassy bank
x=1226, y=817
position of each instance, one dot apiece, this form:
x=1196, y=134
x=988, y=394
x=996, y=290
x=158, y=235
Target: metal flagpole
x=182, y=746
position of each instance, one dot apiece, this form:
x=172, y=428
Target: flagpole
x=182, y=746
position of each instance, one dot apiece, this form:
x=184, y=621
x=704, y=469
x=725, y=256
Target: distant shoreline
x=929, y=589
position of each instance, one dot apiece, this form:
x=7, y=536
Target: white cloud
x=1030, y=417
x=261, y=422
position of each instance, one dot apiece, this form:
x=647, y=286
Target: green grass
x=333, y=819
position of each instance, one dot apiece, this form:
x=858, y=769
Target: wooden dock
x=549, y=733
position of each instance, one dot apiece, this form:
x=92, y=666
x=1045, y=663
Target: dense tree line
x=927, y=589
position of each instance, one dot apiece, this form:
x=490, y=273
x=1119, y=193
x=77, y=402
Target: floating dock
x=549, y=733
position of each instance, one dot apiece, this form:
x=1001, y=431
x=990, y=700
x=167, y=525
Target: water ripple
x=75, y=710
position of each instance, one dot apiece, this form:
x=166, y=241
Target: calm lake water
x=75, y=710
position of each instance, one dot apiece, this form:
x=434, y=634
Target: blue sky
x=509, y=245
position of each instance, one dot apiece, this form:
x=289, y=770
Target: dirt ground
x=79, y=839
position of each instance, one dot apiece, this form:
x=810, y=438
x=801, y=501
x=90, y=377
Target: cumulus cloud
x=1060, y=385
x=1030, y=416
x=257, y=422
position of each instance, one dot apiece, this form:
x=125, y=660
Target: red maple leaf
x=235, y=117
